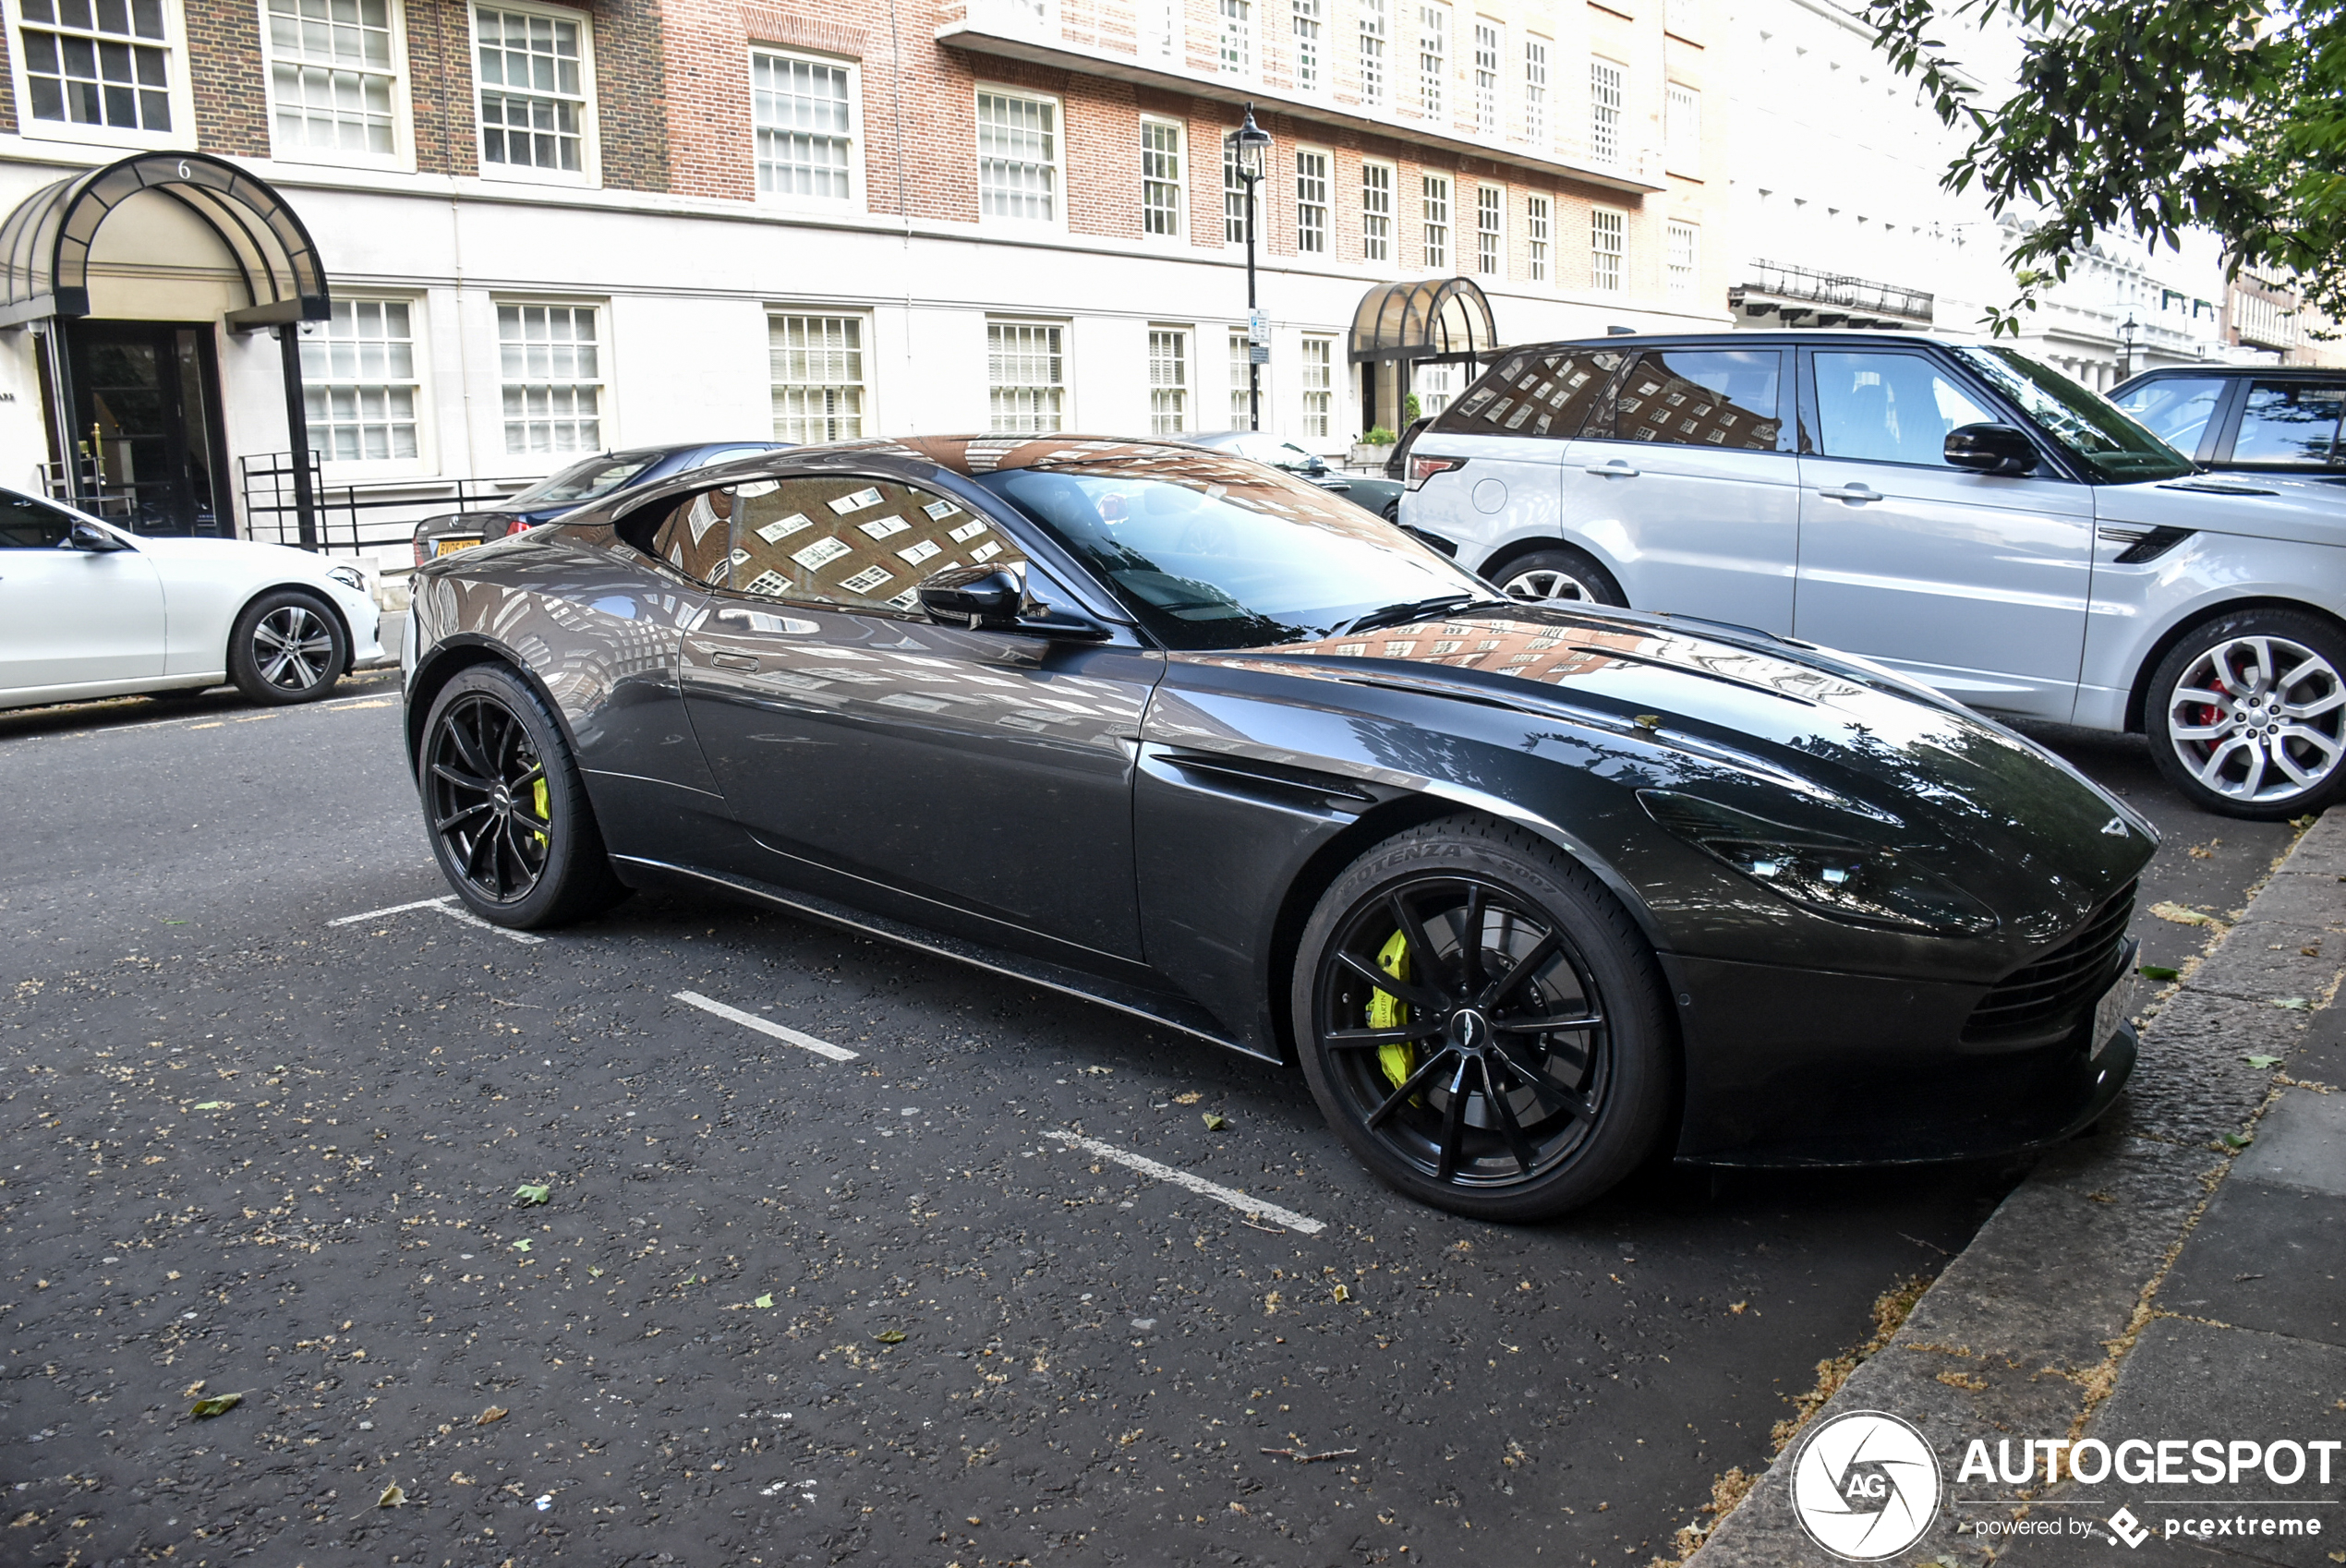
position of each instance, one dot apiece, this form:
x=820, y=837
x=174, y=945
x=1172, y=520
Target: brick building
x=551, y=229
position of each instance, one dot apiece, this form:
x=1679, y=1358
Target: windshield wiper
x=1418, y=609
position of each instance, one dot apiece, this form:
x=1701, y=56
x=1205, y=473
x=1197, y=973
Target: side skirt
x=1169, y=1012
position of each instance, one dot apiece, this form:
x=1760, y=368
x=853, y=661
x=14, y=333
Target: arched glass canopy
x=45, y=243
x=1444, y=319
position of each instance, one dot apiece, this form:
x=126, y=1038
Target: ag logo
x=1864, y=1486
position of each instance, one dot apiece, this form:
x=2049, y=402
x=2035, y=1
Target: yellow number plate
x=450, y=547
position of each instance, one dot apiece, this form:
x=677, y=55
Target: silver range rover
x=1964, y=515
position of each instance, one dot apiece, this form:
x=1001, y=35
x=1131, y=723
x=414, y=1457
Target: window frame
x=1491, y=238
x=1437, y=235
x=1373, y=24
x=858, y=192
x=1234, y=188
x=1178, y=211
x=1435, y=27
x=179, y=92
x=1392, y=179
x=1682, y=136
x=589, y=173
x=1247, y=63
x=426, y=461
x=402, y=157
x=1538, y=236
x=1619, y=253
x=1617, y=128
x=1065, y=385
x=606, y=405
x=1677, y=282
x=1183, y=359
x=1308, y=37
x=1326, y=205
x=1538, y=55
x=1057, y=164
x=1240, y=348
x=1490, y=98
x=1324, y=363
x=863, y=318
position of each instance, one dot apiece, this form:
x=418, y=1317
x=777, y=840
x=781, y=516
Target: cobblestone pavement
x=778, y=1306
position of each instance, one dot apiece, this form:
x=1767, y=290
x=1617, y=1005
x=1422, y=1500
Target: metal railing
x=1839, y=290
x=349, y=518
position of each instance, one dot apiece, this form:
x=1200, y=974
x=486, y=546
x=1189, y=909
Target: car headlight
x=349, y=577
x=1863, y=884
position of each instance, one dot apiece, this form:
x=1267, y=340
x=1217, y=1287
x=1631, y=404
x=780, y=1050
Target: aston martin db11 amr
x=1527, y=893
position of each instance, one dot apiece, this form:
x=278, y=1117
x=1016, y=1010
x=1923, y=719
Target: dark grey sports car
x=1525, y=892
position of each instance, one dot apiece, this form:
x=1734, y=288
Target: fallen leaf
x=2157, y=972
x=527, y=1193
x=2313, y=952
x=1649, y=721
x=2295, y=1004
x=1343, y=1293
x=763, y=1301
x=2235, y=1141
x=1097, y=1072
x=890, y=1336
x=2181, y=916
x=1214, y=1121
x=1737, y=1307
x=212, y=1105
x=495, y=1413
x=192, y=1390
x=218, y=1405
x=522, y=1246
x=394, y=1496
x=2262, y=1061
x=1192, y=1098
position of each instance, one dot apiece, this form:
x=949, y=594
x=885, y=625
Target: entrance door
x=146, y=397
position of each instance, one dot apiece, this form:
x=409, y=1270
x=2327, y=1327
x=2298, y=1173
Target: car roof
x=2304, y=372
x=1771, y=339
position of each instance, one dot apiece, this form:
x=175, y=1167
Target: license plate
x=2117, y=1005
x=450, y=547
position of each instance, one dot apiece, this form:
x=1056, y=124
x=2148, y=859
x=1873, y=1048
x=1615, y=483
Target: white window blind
x=817, y=369
x=1025, y=378
x=1168, y=381
x=1319, y=385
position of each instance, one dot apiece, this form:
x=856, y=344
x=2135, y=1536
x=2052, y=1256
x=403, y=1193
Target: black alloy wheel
x=1481, y=1023
x=287, y=647
x=509, y=819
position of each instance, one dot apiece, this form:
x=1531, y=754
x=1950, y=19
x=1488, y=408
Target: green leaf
x=213, y=1106
x=2262, y=1061
x=2236, y=1140
x=2295, y=1004
x=522, y=1246
x=1215, y=1121
x=527, y=1193
x=393, y=1496
x=890, y=1336
x=2157, y=972
x=763, y=1301
x=218, y=1405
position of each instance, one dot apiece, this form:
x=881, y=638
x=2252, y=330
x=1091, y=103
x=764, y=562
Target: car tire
x=505, y=809
x=1435, y=1083
x=287, y=647
x=1559, y=574
x=2268, y=744
x=1392, y=512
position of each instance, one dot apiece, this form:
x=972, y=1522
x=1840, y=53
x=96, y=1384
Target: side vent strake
x=2142, y=544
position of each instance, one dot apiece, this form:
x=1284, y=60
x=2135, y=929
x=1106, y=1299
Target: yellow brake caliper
x=538, y=798
x=1387, y=1011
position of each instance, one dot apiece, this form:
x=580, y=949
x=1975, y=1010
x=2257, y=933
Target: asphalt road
x=778, y=1306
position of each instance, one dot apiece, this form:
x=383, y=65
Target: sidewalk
x=2149, y=1284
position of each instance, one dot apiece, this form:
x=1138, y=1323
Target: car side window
x=26, y=524
x=855, y=541
x=696, y=536
x=2175, y=408
x=1689, y=397
x=1890, y=409
x=1537, y=393
x=2288, y=422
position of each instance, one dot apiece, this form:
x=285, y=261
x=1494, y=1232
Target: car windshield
x=582, y=482
x=1213, y=553
x=2111, y=448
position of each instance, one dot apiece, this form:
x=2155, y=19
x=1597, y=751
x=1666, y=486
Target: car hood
x=2264, y=506
x=1799, y=736
x=246, y=555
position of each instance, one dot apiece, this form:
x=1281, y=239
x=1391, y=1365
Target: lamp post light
x=2127, y=336
x=1246, y=148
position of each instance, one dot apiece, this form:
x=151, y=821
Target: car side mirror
x=96, y=540
x=991, y=598
x=1991, y=448
x=985, y=598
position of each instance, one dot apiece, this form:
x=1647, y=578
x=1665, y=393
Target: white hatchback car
x=90, y=610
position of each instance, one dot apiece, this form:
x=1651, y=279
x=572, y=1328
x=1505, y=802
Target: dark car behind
x=591, y=478
x=2273, y=419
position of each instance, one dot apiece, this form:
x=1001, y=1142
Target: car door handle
x=1857, y=494
x=1616, y=469
x=734, y=660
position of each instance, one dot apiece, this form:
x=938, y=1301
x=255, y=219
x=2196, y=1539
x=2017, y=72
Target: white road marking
x=443, y=905
x=1196, y=1184
x=769, y=1027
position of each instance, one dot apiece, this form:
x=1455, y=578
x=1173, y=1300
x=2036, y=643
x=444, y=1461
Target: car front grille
x=2044, y=997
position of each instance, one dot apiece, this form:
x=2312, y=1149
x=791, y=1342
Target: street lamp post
x=2127, y=336
x=1246, y=147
